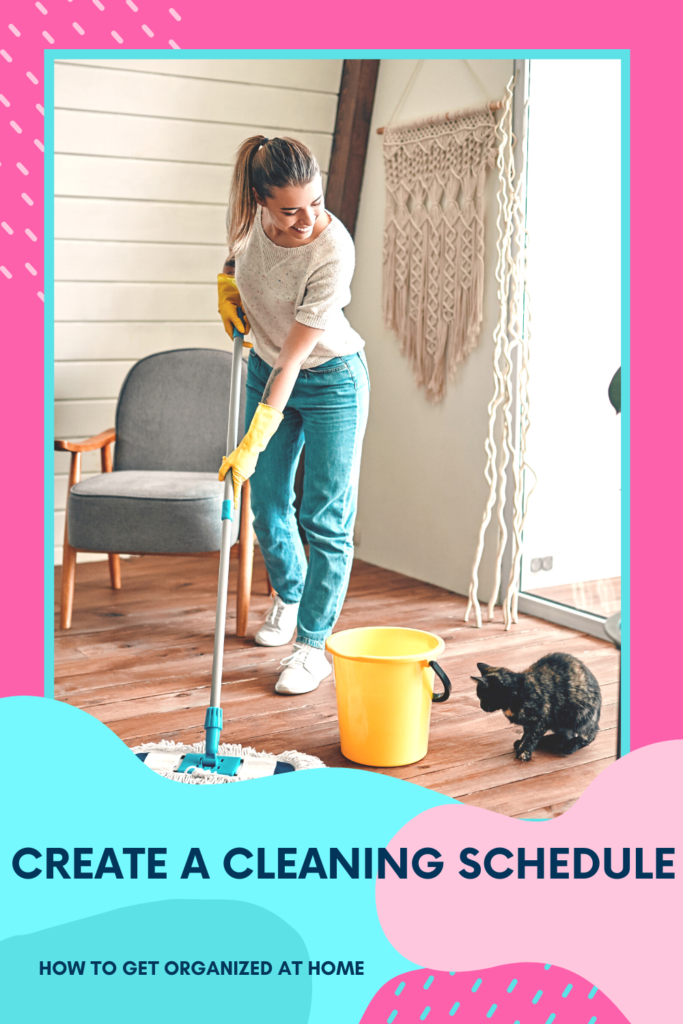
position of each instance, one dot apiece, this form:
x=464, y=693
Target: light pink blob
x=623, y=935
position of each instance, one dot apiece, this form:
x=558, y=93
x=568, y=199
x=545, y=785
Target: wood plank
x=157, y=180
x=318, y=75
x=127, y=135
x=83, y=418
x=75, y=381
x=474, y=739
x=500, y=770
x=139, y=660
x=130, y=261
x=135, y=341
x=128, y=221
x=108, y=90
x=78, y=300
x=520, y=799
x=141, y=672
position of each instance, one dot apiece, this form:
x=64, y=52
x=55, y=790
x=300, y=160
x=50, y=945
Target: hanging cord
x=526, y=475
x=511, y=343
x=476, y=78
x=409, y=85
x=504, y=227
x=511, y=335
x=433, y=119
x=508, y=342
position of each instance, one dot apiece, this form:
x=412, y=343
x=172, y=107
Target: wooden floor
x=140, y=660
x=602, y=597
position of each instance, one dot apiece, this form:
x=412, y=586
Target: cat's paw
x=524, y=756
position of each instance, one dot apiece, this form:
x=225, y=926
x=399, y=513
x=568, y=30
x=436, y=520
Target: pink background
x=647, y=29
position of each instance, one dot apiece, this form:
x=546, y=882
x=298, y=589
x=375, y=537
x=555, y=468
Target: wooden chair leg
x=68, y=584
x=115, y=571
x=246, y=562
x=107, y=463
x=68, y=553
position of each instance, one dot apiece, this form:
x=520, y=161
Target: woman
x=290, y=269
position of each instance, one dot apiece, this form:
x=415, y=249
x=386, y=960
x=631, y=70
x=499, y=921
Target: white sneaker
x=279, y=625
x=306, y=668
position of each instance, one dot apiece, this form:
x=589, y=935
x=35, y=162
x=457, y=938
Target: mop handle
x=226, y=524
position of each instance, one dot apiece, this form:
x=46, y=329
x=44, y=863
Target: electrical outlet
x=537, y=564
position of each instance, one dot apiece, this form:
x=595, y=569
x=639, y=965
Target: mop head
x=254, y=765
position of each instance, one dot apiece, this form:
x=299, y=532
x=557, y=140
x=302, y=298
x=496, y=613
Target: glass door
x=572, y=537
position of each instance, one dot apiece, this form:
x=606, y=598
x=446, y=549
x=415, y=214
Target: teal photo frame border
x=50, y=56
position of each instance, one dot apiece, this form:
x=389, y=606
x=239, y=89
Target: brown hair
x=263, y=164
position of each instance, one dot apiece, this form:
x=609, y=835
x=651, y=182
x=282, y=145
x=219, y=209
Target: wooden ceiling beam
x=349, y=147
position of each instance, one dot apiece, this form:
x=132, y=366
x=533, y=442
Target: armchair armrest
x=90, y=445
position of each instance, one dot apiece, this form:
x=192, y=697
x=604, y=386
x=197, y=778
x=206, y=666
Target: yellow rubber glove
x=228, y=302
x=243, y=460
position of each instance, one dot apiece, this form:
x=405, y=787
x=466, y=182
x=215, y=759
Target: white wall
x=422, y=489
x=143, y=158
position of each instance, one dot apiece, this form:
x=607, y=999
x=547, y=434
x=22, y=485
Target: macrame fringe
x=300, y=762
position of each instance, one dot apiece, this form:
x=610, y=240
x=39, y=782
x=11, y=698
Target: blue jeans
x=328, y=409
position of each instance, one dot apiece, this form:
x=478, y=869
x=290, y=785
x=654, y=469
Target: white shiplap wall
x=143, y=160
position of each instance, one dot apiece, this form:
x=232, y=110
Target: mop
x=211, y=761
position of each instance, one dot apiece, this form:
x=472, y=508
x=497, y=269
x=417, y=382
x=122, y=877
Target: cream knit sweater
x=309, y=283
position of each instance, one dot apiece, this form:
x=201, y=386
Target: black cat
x=557, y=692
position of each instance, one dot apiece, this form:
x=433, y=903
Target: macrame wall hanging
x=433, y=285
x=509, y=406
x=433, y=280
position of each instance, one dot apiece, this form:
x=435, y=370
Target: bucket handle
x=439, y=698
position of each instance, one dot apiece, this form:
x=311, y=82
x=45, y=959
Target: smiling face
x=294, y=214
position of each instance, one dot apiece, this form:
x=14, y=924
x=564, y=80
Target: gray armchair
x=160, y=494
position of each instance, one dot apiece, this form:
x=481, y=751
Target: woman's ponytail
x=261, y=165
x=242, y=208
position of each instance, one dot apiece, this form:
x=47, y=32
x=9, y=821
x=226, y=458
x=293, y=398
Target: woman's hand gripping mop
x=210, y=765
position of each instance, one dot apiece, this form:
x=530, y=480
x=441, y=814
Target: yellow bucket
x=385, y=690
